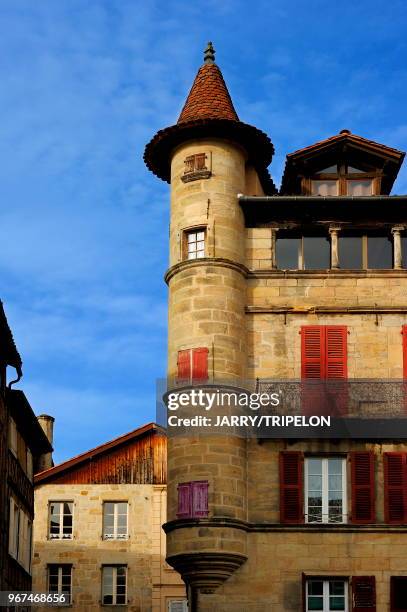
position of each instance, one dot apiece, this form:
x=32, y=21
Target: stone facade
x=242, y=554
x=152, y=583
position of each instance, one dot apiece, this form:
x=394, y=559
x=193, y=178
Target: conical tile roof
x=209, y=97
x=209, y=113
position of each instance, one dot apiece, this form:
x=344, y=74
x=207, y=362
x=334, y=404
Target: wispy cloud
x=84, y=226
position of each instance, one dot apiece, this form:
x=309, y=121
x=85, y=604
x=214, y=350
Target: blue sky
x=84, y=225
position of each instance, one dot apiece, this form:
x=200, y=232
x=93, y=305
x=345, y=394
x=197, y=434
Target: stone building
x=304, y=284
x=97, y=535
x=22, y=446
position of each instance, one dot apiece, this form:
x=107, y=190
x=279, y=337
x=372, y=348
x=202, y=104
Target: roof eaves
x=98, y=450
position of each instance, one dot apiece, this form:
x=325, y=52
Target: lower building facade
x=99, y=543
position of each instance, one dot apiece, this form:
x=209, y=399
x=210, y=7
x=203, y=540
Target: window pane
x=200, y=236
x=317, y=253
x=350, y=253
x=404, y=250
x=335, y=466
x=329, y=170
x=287, y=250
x=336, y=603
x=359, y=188
x=192, y=237
x=336, y=588
x=324, y=188
x=315, y=603
x=379, y=253
x=314, y=466
x=315, y=587
x=353, y=170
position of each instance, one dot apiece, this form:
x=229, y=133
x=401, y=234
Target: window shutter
x=312, y=351
x=363, y=490
x=200, y=498
x=336, y=351
x=395, y=488
x=404, y=332
x=184, y=500
x=364, y=593
x=200, y=364
x=184, y=366
x=291, y=487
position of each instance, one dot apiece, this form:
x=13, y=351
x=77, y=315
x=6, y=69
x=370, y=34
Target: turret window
x=194, y=244
x=196, y=167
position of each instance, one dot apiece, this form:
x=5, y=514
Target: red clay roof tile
x=209, y=97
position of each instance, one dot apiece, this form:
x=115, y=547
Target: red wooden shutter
x=200, y=364
x=291, y=487
x=404, y=332
x=184, y=366
x=312, y=351
x=200, y=498
x=336, y=351
x=363, y=489
x=364, y=593
x=398, y=594
x=184, y=500
x=395, y=488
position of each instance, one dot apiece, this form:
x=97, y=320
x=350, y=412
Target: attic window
x=196, y=167
x=342, y=179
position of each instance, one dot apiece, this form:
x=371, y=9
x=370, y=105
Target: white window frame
x=181, y=605
x=197, y=254
x=114, y=585
x=60, y=535
x=325, y=583
x=59, y=587
x=13, y=438
x=325, y=490
x=115, y=535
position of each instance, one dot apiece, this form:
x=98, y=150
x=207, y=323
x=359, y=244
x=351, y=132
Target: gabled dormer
x=343, y=165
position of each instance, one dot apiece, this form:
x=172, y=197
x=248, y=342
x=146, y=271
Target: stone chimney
x=47, y=424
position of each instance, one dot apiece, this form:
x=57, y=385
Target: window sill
x=196, y=176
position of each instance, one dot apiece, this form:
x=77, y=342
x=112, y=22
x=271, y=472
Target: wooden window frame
x=325, y=490
x=342, y=176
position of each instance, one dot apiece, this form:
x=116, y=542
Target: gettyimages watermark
x=210, y=400
x=285, y=408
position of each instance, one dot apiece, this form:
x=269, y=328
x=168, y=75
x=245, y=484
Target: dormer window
x=341, y=179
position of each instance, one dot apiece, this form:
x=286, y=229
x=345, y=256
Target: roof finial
x=209, y=54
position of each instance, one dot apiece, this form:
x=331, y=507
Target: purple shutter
x=200, y=498
x=184, y=500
